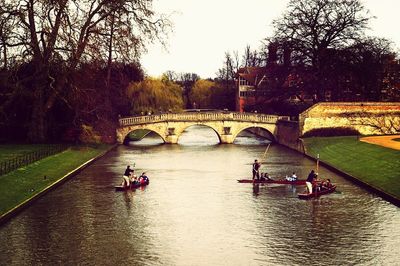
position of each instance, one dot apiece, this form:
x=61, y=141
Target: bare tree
x=314, y=27
x=55, y=37
x=170, y=75
x=252, y=58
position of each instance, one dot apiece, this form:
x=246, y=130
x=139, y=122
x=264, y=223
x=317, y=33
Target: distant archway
x=142, y=133
x=201, y=127
x=257, y=130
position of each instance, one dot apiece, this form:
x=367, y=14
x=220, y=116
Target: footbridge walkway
x=227, y=125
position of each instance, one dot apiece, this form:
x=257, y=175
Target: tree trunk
x=5, y=55
x=110, y=48
x=38, y=125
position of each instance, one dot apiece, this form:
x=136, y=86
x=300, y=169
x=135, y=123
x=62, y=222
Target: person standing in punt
x=256, y=167
x=128, y=171
x=310, y=180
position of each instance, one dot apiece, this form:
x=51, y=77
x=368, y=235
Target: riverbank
x=374, y=166
x=25, y=184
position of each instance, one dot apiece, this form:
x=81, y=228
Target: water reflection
x=247, y=138
x=208, y=139
x=195, y=213
x=151, y=139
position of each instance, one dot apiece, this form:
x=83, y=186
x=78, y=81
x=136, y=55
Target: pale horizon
x=204, y=30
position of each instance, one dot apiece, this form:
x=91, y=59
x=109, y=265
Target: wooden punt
x=317, y=193
x=271, y=181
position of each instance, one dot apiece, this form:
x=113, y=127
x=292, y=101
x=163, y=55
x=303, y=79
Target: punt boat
x=272, y=181
x=316, y=193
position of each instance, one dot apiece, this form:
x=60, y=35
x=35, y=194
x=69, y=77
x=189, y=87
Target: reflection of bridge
x=226, y=125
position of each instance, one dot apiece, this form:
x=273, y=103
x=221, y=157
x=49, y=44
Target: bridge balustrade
x=203, y=116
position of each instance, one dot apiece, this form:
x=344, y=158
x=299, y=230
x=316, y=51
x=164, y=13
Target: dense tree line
x=199, y=93
x=154, y=96
x=61, y=58
x=69, y=69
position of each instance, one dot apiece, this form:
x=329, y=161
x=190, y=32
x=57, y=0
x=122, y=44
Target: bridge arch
x=204, y=124
x=125, y=132
x=271, y=136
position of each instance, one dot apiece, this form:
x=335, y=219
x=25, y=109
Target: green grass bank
x=374, y=165
x=27, y=182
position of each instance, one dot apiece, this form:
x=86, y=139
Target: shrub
x=331, y=132
x=89, y=136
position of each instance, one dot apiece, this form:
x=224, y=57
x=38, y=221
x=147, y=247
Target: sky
x=203, y=30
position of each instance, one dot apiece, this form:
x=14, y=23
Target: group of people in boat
x=257, y=174
x=315, y=185
x=312, y=182
x=265, y=176
x=130, y=179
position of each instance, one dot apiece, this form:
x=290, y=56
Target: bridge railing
x=201, y=116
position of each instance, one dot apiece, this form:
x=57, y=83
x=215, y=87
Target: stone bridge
x=227, y=125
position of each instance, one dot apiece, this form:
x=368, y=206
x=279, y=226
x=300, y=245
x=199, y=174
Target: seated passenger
x=143, y=179
x=328, y=183
x=134, y=180
x=267, y=177
x=294, y=176
x=320, y=186
x=132, y=176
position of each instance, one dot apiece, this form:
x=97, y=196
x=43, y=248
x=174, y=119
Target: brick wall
x=369, y=118
x=288, y=135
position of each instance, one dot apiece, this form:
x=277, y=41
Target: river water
x=195, y=213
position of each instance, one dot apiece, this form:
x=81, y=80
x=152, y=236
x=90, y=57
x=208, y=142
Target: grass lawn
x=23, y=183
x=372, y=164
x=10, y=151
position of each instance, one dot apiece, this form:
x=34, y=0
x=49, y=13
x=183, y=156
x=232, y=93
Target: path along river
x=195, y=213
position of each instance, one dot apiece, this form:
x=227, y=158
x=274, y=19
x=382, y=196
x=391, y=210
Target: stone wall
x=289, y=135
x=369, y=118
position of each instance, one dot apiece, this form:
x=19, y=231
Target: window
x=243, y=82
x=247, y=93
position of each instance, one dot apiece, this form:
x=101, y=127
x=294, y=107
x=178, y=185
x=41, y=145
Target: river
x=195, y=213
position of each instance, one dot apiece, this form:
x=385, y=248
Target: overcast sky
x=205, y=29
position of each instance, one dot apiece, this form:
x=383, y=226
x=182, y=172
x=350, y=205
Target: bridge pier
x=227, y=139
x=171, y=139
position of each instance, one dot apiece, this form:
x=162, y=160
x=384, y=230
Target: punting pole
x=317, y=162
x=266, y=150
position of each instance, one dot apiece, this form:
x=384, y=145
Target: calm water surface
x=195, y=213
